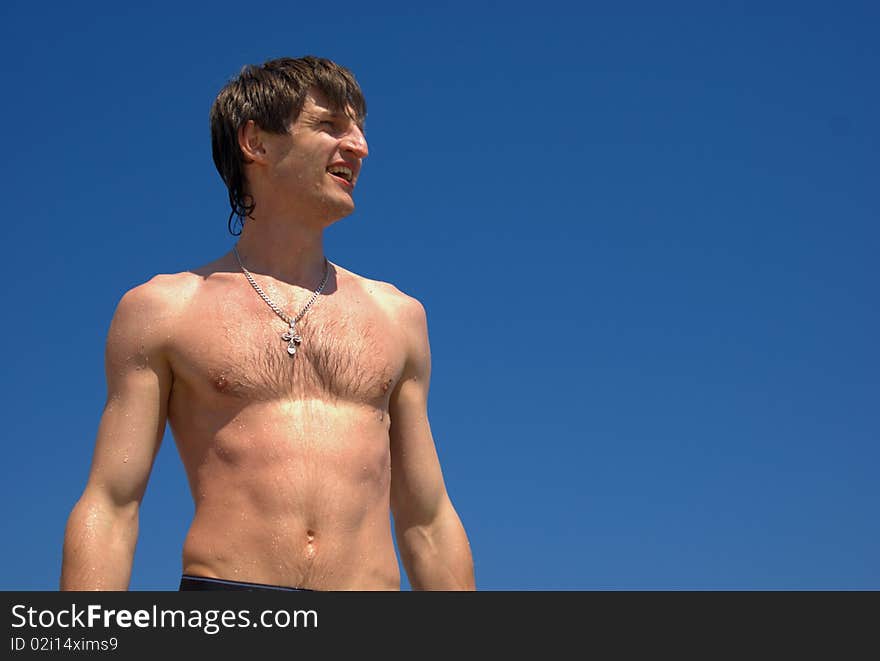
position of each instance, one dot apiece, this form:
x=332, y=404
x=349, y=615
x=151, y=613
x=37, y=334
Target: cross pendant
x=292, y=338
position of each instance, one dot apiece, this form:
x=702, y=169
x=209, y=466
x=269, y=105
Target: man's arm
x=101, y=533
x=432, y=542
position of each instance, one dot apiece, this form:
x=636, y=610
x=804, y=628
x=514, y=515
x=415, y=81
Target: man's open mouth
x=340, y=171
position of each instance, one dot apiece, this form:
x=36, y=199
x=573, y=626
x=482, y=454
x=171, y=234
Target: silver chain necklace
x=290, y=336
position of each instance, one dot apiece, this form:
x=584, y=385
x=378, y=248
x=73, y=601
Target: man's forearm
x=99, y=544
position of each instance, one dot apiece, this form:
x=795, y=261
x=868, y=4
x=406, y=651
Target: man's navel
x=311, y=546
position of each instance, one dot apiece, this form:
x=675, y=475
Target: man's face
x=316, y=164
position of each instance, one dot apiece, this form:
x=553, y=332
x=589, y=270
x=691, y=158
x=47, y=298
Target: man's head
x=272, y=96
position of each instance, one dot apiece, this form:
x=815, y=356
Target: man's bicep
x=138, y=384
x=417, y=488
x=416, y=479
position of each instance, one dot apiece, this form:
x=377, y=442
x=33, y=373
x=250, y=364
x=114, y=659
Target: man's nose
x=355, y=141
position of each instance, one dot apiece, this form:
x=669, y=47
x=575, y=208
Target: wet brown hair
x=272, y=95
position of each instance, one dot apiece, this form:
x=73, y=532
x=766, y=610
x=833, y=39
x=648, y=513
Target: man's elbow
x=102, y=512
x=436, y=553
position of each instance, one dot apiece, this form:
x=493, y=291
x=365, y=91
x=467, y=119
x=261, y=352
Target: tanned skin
x=294, y=463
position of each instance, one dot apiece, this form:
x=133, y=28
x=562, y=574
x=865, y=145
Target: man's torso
x=287, y=456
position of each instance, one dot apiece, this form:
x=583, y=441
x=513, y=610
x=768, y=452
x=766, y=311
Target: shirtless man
x=298, y=440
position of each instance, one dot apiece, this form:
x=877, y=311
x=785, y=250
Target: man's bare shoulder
x=167, y=292
x=161, y=295
x=146, y=316
x=401, y=307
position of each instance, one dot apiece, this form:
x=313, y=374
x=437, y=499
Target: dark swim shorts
x=188, y=582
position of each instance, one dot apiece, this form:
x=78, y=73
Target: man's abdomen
x=291, y=493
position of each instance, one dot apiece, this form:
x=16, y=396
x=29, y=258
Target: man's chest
x=349, y=350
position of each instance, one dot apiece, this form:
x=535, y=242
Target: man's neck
x=290, y=252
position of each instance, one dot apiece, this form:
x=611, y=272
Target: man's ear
x=250, y=141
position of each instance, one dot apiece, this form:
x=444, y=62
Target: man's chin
x=339, y=211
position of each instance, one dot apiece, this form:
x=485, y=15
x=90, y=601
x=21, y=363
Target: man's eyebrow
x=328, y=110
x=338, y=113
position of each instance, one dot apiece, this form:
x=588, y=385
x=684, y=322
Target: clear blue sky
x=646, y=235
